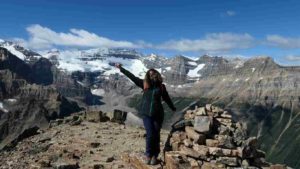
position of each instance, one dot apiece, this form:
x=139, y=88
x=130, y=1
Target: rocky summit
x=93, y=140
x=205, y=138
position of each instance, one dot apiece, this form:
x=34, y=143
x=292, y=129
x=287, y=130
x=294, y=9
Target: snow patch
x=2, y=108
x=192, y=63
x=98, y=92
x=192, y=58
x=12, y=49
x=168, y=68
x=253, y=69
x=237, y=62
x=236, y=80
x=12, y=100
x=246, y=79
x=152, y=57
x=194, y=72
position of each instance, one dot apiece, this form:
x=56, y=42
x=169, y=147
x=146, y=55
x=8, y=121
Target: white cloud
x=214, y=42
x=43, y=37
x=282, y=42
x=293, y=58
x=230, y=13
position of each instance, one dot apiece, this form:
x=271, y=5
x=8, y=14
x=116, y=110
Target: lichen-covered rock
x=203, y=124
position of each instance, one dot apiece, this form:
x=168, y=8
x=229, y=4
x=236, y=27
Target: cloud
x=43, y=37
x=293, y=58
x=230, y=13
x=214, y=42
x=282, y=42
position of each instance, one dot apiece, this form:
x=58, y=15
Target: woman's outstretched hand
x=118, y=65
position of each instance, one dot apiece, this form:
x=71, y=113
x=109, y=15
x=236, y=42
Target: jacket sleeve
x=166, y=98
x=136, y=80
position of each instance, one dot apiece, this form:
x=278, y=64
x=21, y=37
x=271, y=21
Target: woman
x=151, y=109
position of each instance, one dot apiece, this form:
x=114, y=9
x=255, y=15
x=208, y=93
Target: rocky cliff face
x=26, y=102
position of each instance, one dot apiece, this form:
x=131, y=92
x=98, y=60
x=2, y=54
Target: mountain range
x=50, y=84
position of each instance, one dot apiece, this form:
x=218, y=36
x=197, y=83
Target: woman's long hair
x=153, y=79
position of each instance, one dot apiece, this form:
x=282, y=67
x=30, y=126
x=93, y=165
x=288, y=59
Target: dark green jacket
x=151, y=101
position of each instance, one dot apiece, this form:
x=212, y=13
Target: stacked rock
x=214, y=140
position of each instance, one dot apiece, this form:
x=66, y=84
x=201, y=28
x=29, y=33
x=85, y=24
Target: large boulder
x=96, y=116
x=119, y=116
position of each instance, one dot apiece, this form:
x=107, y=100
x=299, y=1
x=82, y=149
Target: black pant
x=152, y=126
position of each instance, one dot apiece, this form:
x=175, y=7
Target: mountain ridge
x=262, y=93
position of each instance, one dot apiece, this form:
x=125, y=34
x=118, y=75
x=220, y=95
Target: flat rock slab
x=203, y=124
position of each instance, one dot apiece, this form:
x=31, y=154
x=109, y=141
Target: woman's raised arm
x=136, y=80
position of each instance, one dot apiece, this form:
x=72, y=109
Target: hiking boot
x=146, y=159
x=153, y=161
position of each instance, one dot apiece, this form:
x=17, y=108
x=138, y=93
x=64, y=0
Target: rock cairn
x=213, y=140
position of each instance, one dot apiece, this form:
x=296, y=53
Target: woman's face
x=151, y=73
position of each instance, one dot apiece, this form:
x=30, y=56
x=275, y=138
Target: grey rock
x=203, y=124
x=225, y=141
x=231, y=161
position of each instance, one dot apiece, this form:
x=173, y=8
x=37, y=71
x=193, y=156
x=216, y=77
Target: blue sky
x=219, y=27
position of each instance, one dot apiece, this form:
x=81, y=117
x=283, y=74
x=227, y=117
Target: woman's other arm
x=166, y=98
x=136, y=80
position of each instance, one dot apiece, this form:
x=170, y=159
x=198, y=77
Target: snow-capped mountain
x=176, y=70
x=101, y=60
x=98, y=59
x=25, y=54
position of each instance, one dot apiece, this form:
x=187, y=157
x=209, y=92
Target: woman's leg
x=148, y=124
x=156, y=131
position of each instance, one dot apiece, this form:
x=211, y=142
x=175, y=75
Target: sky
x=244, y=28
